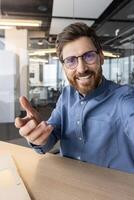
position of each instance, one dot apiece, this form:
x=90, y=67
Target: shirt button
x=81, y=102
x=78, y=122
x=78, y=157
x=80, y=138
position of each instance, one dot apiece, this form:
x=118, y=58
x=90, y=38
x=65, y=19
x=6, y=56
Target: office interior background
x=28, y=62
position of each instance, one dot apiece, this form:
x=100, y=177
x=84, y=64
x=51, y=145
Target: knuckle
x=43, y=124
x=17, y=122
x=21, y=132
x=31, y=140
x=38, y=142
x=32, y=124
x=41, y=140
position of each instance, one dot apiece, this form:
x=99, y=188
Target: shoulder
x=126, y=110
x=122, y=91
x=126, y=92
x=126, y=100
x=123, y=95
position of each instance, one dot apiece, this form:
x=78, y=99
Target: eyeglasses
x=89, y=57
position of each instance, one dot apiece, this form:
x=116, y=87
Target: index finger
x=31, y=112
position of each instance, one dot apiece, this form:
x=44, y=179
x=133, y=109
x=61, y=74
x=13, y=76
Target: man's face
x=85, y=77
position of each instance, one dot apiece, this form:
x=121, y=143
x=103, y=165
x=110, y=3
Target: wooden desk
x=50, y=177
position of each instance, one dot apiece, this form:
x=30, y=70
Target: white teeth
x=84, y=77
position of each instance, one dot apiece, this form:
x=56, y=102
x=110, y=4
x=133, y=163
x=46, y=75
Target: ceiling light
x=130, y=16
x=16, y=22
x=42, y=51
x=5, y=27
x=36, y=53
x=42, y=8
x=38, y=60
x=117, y=32
x=110, y=54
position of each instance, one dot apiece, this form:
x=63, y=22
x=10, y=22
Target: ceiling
x=113, y=20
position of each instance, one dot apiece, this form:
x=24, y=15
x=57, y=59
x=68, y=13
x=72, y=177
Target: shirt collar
x=96, y=92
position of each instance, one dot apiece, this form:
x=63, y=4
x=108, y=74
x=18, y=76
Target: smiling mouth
x=82, y=78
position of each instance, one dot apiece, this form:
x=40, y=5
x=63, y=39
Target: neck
x=83, y=95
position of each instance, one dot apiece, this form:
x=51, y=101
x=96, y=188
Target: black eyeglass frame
x=63, y=61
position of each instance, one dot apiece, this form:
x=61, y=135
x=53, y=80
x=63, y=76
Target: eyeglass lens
x=89, y=57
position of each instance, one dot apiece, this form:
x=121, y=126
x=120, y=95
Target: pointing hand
x=31, y=127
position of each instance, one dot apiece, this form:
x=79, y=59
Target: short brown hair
x=73, y=32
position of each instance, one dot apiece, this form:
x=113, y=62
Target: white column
x=16, y=41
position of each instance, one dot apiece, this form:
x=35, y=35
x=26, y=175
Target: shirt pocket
x=101, y=140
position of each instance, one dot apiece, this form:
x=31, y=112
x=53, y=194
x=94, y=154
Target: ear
x=101, y=57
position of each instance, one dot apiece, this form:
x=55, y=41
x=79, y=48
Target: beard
x=86, y=82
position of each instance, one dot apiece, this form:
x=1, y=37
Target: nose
x=81, y=67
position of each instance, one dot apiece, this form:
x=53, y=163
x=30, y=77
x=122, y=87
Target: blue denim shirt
x=97, y=128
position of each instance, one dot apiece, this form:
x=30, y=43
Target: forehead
x=78, y=47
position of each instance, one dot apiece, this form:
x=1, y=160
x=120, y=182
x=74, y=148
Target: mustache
x=86, y=73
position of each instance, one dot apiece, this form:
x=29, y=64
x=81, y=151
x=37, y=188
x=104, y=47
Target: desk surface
x=50, y=177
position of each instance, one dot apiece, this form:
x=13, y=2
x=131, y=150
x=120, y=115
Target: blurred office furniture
x=131, y=77
x=42, y=96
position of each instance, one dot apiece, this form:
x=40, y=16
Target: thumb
x=31, y=112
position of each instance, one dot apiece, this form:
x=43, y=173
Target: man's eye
x=70, y=60
x=89, y=55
